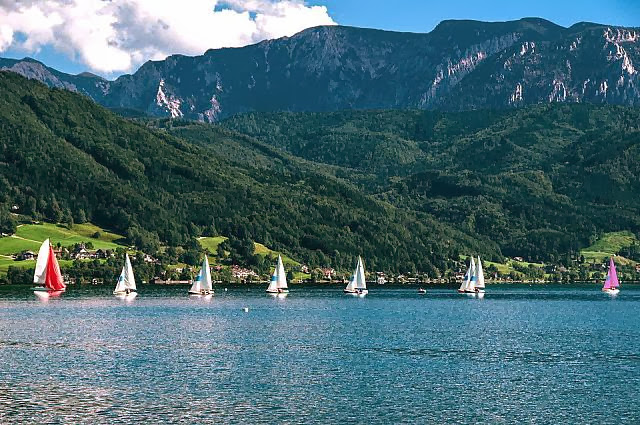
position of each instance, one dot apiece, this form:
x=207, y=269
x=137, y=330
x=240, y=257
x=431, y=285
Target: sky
x=112, y=37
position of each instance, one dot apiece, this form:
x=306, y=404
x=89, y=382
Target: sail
x=53, y=279
x=479, y=275
x=130, y=280
x=279, y=278
x=612, y=276
x=470, y=284
x=360, y=282
x=41, y=263
x=206, y=275
x=121, y=286
x=282, y=276
x=352, y=283
x=465, y=279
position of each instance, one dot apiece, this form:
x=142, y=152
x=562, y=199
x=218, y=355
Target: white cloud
x=118, y=35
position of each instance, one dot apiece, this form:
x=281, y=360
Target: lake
x=533, y=354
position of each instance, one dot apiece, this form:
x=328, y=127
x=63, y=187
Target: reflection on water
x=547, y=354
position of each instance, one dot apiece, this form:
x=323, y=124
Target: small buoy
x=246, y=309
x=225, y=289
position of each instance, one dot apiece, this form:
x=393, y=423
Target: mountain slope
x=460, y=65
x=539, y=181
x=64, y=155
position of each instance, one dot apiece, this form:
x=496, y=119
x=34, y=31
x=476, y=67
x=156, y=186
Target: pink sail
x=612, y=276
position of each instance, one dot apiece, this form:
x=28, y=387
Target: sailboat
x=278, y=284
x=202, y=284
x=479, y=278
x=469, y=282
x=611, y=285
x=126, y=282
x=357, y=285
x=47, y=273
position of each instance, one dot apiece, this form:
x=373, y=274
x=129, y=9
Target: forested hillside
x=542, y=182
x=65, y=158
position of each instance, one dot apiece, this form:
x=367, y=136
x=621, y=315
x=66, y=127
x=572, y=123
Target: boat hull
x=282, y=291
x=124, y=293
x=200, y=293
x=45, y=289
x=356, y=292
x=611, y=291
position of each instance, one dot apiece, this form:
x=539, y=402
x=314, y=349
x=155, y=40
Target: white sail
x=121, y=286
x=471, y=283
x=41, y=264
x=203, y=280
x=358, y=279
x=361, y=282
x=351, y=286
x=479, y=275
x=206, y=272
x=126, y=279
x=465, y=280
x=279, y=277
x=129, y=278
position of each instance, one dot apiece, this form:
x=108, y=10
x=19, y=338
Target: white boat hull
x=196, y=293
x=124, y=292
x=611, y=291
x=276, y=292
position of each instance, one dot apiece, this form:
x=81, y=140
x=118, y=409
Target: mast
x=479, y=275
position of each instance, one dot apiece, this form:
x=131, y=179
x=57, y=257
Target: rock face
x=85, y=83
x=460, y=65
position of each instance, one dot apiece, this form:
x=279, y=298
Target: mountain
x=460, y=65
x=63, y=157
x=540, y=181
x=86, y=83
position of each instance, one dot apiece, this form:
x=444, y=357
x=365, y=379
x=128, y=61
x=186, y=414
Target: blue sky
x=424, y=15
x=69, y=49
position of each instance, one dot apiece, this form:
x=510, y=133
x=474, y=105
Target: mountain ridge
x=459, y=65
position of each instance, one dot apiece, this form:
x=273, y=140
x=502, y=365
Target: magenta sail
x=612, y=277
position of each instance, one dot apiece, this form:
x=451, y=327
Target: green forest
x=410, y=191
x=541, y=182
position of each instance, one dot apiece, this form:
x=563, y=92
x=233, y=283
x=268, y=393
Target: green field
x=211, y=243
x=30, y=237
x=5, y=263
x=608, y=245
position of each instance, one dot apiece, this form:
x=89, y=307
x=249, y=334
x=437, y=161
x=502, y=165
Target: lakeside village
x=82, y=264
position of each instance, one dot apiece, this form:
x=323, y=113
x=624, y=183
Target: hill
x=29, y=237
x=64, y=158
x=460, y=65
x=541, y=182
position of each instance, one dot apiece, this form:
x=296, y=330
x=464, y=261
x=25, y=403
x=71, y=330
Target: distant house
x=82, y=254
x=15, y=208
x=242, y=273
x=304, y=268
x=328, y=273
x=149, y=259
x=26, y=255
x=638, y=268
x=518, y=259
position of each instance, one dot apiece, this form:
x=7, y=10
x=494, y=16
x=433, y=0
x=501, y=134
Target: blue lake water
x=543, y=354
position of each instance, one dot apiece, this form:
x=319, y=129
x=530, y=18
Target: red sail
x=53, y=280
